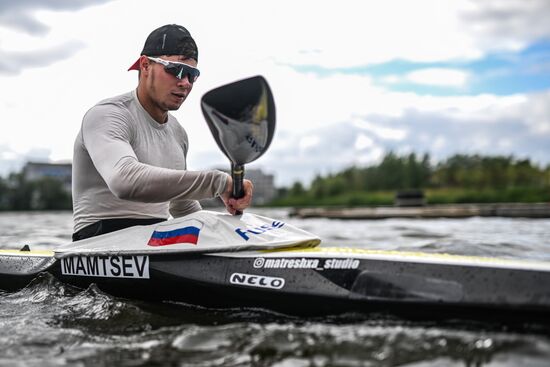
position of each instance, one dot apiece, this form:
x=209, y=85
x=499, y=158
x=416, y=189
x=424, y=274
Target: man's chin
x=173, y=107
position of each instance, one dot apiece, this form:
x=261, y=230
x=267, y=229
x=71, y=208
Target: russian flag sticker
x=185, y=234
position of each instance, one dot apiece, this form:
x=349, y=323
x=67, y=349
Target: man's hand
x=233, y=205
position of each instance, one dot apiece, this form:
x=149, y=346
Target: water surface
x=52, y=324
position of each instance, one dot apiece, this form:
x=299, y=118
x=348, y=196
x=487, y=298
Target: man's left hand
x=235, y=206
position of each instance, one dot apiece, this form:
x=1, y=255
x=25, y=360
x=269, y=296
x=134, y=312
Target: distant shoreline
x=506, y=210
x=509, y=210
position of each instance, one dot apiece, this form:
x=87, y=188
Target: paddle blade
x=241, y=117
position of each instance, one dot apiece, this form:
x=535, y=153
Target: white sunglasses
x=178, y=69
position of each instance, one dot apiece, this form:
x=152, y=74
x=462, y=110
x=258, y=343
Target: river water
x=51, y=324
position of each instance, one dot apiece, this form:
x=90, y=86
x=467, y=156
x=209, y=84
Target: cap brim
x=135, y=65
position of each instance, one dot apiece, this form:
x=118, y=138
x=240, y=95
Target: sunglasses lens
x=180, y=71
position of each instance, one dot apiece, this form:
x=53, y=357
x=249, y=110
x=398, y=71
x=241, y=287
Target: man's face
x=165, y=90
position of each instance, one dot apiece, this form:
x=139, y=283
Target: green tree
x=19, y=192
x=460, y=178
x=297, y=189
x=4, y=194
x=49, y=194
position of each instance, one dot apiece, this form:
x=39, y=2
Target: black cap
x=170, y=39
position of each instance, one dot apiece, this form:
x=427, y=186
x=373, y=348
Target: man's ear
x=144, y=63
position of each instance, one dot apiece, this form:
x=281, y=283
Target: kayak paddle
x=241, y=117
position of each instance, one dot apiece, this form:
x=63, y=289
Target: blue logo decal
x=258, y=230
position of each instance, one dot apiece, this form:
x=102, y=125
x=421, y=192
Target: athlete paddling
x=129, y=164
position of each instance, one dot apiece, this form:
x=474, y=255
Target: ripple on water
x=319, y=344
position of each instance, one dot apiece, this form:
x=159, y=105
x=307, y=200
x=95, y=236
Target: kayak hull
x=307, y=281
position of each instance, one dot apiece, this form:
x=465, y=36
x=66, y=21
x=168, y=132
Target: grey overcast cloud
x=351, y=83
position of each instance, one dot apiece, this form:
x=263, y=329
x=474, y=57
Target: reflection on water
x=52, y=324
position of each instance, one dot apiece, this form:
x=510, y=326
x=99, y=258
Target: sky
x=352, y=80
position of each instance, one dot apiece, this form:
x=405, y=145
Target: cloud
x=439, y=77
x=11, y=161
x=22, y=21
x=490, y=126
x=363, y=142
x=421, y=31
x=507, y=24
x=20, y=14
x=308, y=142
x=537, y=114
x=12, y=63
x=325, y=69
x=336, y=146
x=382, y=132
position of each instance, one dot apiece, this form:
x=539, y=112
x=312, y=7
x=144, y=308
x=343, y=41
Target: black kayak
x=306, y=281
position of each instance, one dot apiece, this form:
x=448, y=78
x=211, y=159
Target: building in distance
x=61, y=172
x=264, y=183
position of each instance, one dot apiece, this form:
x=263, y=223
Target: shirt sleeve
x=107, y=133
x=179, y=208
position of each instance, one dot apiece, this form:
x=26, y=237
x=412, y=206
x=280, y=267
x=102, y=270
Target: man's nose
x=184, y=82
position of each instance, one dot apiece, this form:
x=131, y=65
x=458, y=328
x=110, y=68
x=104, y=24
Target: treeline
x=460, y=178
x=46, y=193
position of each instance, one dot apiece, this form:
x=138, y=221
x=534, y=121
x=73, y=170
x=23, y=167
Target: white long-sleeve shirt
x=127, y=165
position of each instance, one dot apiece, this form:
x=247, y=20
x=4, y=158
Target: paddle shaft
x=237, y=173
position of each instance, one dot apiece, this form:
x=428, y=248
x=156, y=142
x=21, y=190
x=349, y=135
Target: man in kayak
x=129, y=163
